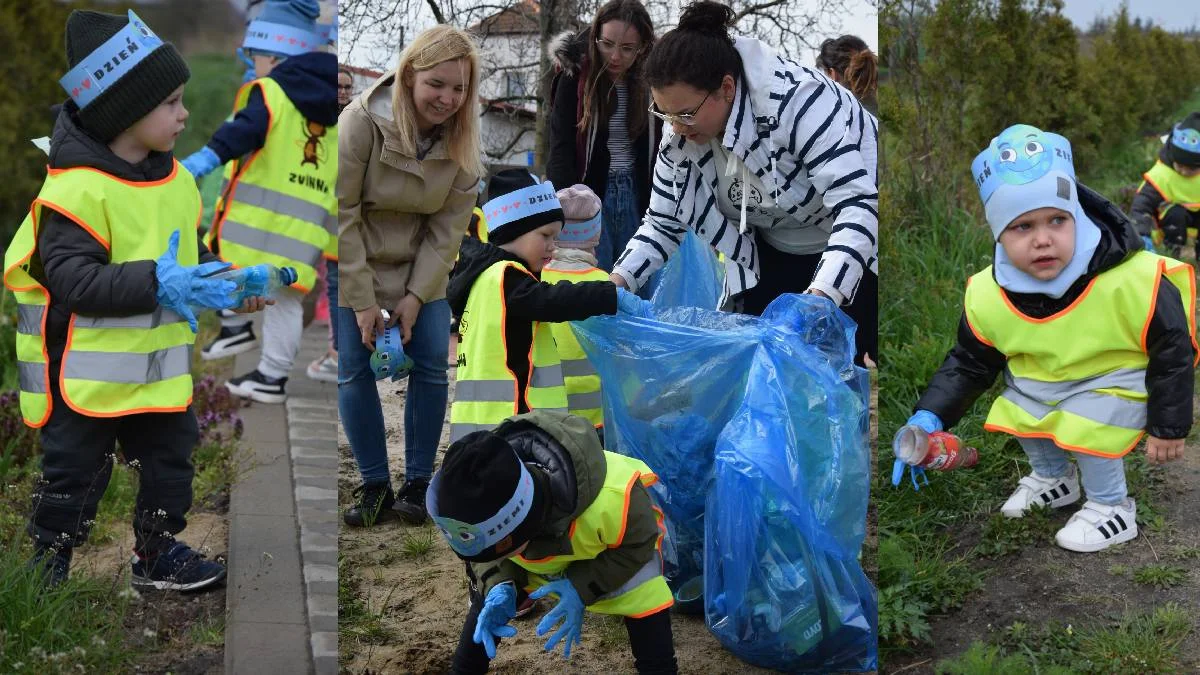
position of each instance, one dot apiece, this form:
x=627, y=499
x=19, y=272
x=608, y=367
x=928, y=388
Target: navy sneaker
x=256, y=386
x=410, y=501
x=53, y=563
x=178, y=568
x=373, y=506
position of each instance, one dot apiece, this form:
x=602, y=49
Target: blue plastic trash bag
x=692, y=277
x=759, y=426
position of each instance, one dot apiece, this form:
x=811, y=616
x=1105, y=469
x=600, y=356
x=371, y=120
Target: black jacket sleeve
x=1145, y=206
x=83, y=281
x=530, y=300
x=560, y=167
x=1170, y=374
x=969, y=370
x=245, y=133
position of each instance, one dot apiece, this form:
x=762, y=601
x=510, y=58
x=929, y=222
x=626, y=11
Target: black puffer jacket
x=526, y=300
x=971, y=366
x=565, y=165
x=71, y=263
x=1144, y=209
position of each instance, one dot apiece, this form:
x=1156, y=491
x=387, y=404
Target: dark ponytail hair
x=854, y=63
x=699, y=52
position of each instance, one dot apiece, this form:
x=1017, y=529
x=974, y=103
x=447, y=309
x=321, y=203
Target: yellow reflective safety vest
x=1175, y=188
x=486, y=392
x=278, y=204
x=579, y=377
x=1078, y=377
x=111, y=366
x=600, y=527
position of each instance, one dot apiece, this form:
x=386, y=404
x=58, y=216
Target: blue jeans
x=331, y=284
x=1103, y=477
x=424, y=403
x=619, y=218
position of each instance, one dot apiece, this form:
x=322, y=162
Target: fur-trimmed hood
x=568, y=50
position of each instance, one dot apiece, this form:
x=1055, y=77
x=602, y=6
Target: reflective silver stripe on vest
x=588, y=401
x=646, y=573
x=1129, y=379
x=31, y=377
x=577, y=368
x=269, y=242
x=1101, y=408
x=546, y=376
x=283, y=204
x=495, y=391
x=460, y=429
x=161, y=316
x=125, y=368
x=29, y=319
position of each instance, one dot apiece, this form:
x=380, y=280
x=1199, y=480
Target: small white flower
x=128, y=593
x=149, y=633
x=135, y=464
x=160, y=514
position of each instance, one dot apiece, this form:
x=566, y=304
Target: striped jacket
x=813, y=146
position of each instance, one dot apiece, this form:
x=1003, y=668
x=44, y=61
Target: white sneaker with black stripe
x=1034, y=490
x=230, y=342
x=1097, y=526
x=256, y=386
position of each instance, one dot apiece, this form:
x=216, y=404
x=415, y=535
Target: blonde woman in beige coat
x=409, y=165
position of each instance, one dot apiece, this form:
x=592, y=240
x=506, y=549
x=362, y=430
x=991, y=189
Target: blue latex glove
x=926, y=420
x=201, y=162
x=180, y=287
x=631, y=304
x=929, y=423
x=1149, y=243
x=249, y=75
x=569, y=609
x=499, y=608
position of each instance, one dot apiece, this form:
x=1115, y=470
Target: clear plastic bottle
x=260, y=280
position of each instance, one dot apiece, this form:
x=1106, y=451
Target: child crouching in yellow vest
x=538, y=504
x=1095, y=336
x=507, y=360
x=106, y=329
x=574, y=261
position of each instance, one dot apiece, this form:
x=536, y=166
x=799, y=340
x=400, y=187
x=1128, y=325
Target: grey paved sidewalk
x=281, y=603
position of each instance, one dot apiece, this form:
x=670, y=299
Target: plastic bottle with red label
x=937, y=451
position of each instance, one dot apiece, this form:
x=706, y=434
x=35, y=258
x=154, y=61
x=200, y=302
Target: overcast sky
x=1170, y=14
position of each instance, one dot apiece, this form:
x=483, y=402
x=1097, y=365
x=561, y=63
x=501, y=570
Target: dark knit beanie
x=137, y=92
x=517, y=203
x=1184, y=142
x=485, y=501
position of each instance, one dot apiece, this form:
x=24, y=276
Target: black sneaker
x=254, y=385
x=374, y=505
x=178, y=568
x=53, y=563
x=229, y=342
x=410, y=501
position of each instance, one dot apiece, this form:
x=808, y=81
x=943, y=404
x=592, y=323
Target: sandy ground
x=422, y=600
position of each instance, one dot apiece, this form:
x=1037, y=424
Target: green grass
x=417, y=542
x=1161, y=576
x=358, y=623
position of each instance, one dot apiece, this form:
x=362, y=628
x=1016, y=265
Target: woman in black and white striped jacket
x=772, y=163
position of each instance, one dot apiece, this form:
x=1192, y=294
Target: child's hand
x=254, y=304
x=618, y=280
x=1160, y=450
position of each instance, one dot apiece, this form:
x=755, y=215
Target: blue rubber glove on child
x=499, y=608
x=181, y=287
x=1148, y=243
x=569, y=609
x=927, y=421
x=249, y=75
x=201, y=162
x=631, y=304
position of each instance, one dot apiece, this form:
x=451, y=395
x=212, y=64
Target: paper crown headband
x=513, y=206
x=1020, y=155
x=109, y=62
x=1185, y=138
x=471, y=539
x=281, y=38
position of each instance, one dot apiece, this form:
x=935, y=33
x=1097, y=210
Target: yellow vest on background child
x=575, y=261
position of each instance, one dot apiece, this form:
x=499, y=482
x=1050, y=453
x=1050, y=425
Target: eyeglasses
x=686, y=119
x=608, y=46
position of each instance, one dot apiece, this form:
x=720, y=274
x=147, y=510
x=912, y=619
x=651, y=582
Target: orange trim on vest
x=75, y=219
x=1191, y=311
x=62, y=387
x=1162, y=266
x=666, y=605
x=138, y=184
x=570, y=535
x=625, y=509
x=1049, y=437
x=587, y=271
x=1061, y=312
x=977, y=334
x=241, y=168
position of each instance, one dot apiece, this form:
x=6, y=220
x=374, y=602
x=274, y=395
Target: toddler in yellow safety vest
x=507, y=359
x=1169, y=195
x=106, y=327
x=538, y=505
x=278, y=204
x=575, y=261
x=1095, y=337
